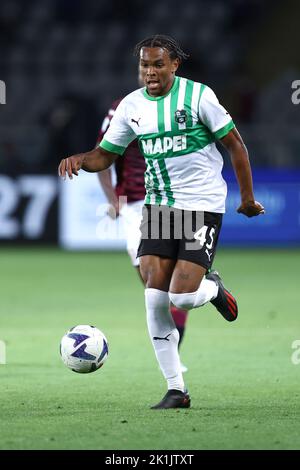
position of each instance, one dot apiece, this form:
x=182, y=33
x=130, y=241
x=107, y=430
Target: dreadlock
x=166, y=42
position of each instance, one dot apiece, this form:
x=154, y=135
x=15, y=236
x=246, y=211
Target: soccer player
x=130, y=171
x=177, y=122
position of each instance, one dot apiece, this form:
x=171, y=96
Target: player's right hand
x=70, y=166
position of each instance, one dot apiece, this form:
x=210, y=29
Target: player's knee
x=185, y=301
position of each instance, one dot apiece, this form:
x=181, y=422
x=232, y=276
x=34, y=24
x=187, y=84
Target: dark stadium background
x=64, y=61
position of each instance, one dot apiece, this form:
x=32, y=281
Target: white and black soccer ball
x=84, y=349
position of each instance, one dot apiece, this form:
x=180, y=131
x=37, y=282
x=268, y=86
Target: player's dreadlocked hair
x=166, y=42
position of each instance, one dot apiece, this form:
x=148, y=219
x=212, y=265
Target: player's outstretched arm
x=233, y=142
x=93, y=161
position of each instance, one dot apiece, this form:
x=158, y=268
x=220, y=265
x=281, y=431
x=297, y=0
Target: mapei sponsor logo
x=162, y=145
x=2, y=92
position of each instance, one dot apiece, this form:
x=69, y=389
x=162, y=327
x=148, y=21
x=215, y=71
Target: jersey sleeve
x=105, y=125
x=119, y=134
x=214, y=115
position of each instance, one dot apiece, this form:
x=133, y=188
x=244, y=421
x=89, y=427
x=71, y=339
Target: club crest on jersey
x=180, y=116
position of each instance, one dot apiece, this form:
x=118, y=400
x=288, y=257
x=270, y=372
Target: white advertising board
x=83, y=220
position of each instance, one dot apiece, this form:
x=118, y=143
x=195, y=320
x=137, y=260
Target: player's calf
x=188, y=300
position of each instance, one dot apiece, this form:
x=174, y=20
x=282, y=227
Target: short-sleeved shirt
x=177, y=135
x=130, y=168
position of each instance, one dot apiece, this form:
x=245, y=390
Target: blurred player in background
x=130, y=171
x=177, y=122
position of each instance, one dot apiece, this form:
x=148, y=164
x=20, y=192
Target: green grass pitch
x=244, y=387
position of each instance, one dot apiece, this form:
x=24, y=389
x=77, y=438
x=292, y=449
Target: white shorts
x=132, y=215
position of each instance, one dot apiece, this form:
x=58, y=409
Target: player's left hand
x=251, y=209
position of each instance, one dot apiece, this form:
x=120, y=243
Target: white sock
x=161, y=325
x=208, y=290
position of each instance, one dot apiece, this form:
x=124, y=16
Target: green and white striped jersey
x=177, y=134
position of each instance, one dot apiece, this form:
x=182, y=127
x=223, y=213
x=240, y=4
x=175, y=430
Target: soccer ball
x=84, y=349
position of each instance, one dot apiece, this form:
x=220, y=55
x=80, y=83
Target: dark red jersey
x=130, y=167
